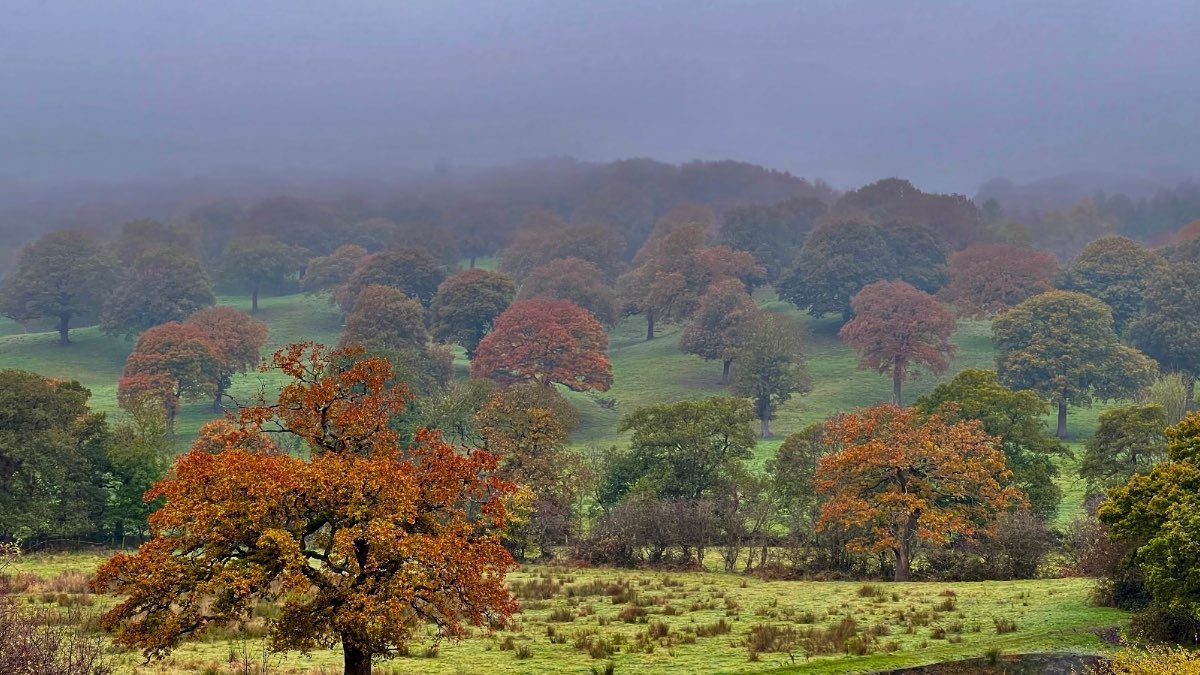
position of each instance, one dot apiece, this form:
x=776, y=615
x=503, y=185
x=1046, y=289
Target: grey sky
x=946, y=93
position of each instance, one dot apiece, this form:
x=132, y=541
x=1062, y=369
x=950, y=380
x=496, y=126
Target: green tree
x=1129, y=440
x=1062, y=345
x=681, y=450
x=1168, y=329
x=139, y=453
x=772, y=233
x=254, y=261
x=572, y=279
x=1115, y=270
x=715, y=332
x=51, y=457
x=768, y=366
x=467, y=303
x=1014, y=417
x=62, y=275
x=791, y=471
x=385, y=319
x=920, y=255
x=413, y=271
x=839, y=258
x=325, y=273
x=164, y=285
x=1158, y=513
x=897, y=328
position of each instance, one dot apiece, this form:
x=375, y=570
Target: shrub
x=34, y=642
x=1004, y=625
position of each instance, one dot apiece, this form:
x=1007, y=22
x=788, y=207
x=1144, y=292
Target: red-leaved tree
x=174, y=362
x=236, y=339
x=546, y=341
x=896, y=327
x=987, y=279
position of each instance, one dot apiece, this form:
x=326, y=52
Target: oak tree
x=683, y=450
x=174, y=362
x=772, y=233
x=62, y=275
x=987, y=279
x=1015, y=419
x=1128, y=440
x=839, y=258
x=410, y=270
x=254, y=261
x=363, y=544
x=1168, y=328
x=466, y=305
x=768, y=366
x=236, y=339
x=900, y=478
x=1117, y=271
x=163, y=285
x=1062, y=345
x=385, y=319
x=897, y=328
x=572, y=279
x=324, y=274
x=545, y=341
x=715, y=332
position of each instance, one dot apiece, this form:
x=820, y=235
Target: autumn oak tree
x=172, y=362
x=363, y=544
x=987, y=279
x=546, y=341
x=236, y=339
x=838, y=259
x=1168, y=327
x=1062, y=345
x=467, y=303
x=896, y=327
x=324, y=274
x=898, y=479
x=1117, y=271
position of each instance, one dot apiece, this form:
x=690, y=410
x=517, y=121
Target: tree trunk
x=903, y=562
x=649, y=325
x=725, y=371
x=472, y=262
x=897, y=378
x=764, y=427
x=358, y=662
x=64, y=329
x=1062, y=419
x=220, y=394
x=254, y=299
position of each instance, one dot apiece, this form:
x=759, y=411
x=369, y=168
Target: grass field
x=645, y=372
x=643, y=622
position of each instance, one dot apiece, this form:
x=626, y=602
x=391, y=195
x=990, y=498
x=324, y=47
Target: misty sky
x=946, y=93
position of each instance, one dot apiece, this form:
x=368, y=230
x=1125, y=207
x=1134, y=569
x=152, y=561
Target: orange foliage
x=544, y=340
x=987, y=279
x=899, y=478
x=173, y=361
x=364, y=543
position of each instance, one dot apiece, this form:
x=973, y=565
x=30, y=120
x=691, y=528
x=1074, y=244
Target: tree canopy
x=385, y=319
x=63, y=275
x=254, y=261
x=363, y=544
x=1015, y=419
x=987, y=279
x=900, y=478
x=769, y=366
x=410, y=270
x=572, y=279
x=897, y=328
x=1116, y=270
x=466, y=305
x=1062, y=345
x=1168, y=329
x=163, y=285
x=1128, y=440
x=172, y=362
x=721, y=319
x=839, y=258
x=546, y=341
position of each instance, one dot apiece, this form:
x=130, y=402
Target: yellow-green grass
x=949, y=621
